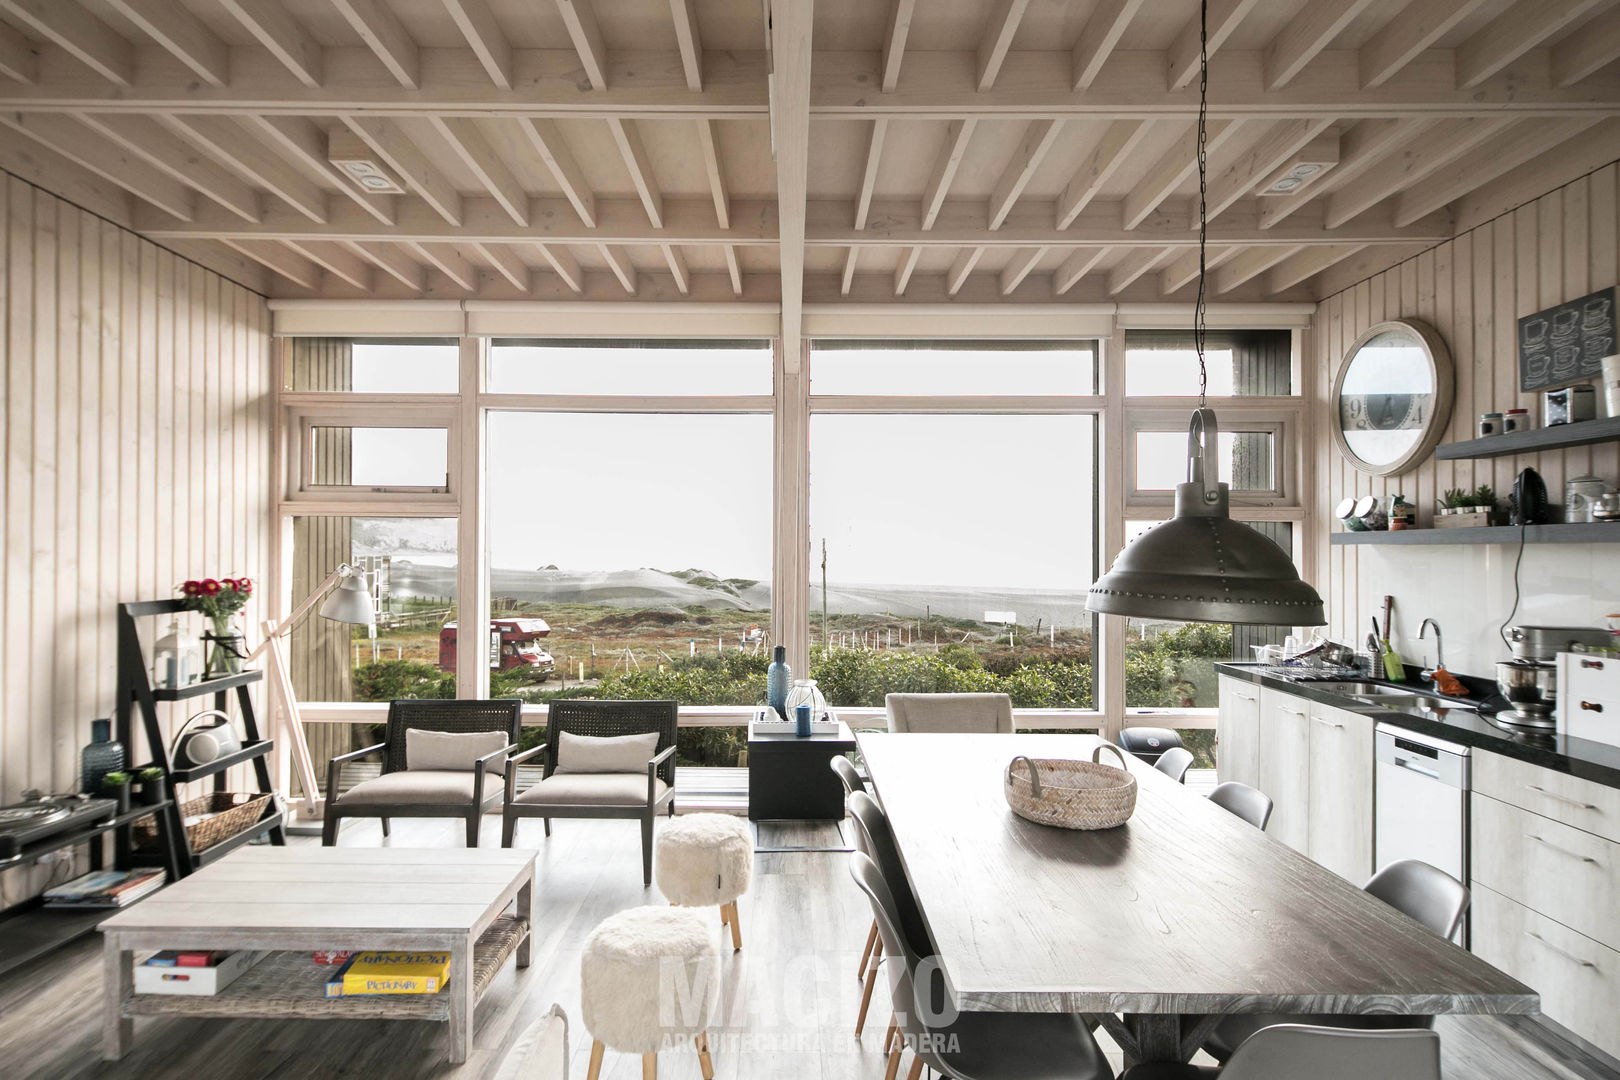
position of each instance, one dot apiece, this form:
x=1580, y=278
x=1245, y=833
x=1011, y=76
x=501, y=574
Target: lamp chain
x=1199, y=329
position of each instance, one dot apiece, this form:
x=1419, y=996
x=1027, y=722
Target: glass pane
x=1246, y=460
x=1387, y=398
x=373, y=367
x=630, y=367
x=1241, y=363
x=644, y=546
x=379, y=457
x=953, y=368
x=952, y=553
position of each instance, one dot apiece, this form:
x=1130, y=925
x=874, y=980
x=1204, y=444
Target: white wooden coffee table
x=294, y=900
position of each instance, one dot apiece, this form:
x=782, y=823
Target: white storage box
x=194, y=981
x=1589, y=697
x=766, y=722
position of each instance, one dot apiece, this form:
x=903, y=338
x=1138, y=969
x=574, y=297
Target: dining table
x=1159, y=927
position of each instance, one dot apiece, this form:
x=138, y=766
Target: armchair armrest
x=652, y=769
x=512, y=763
x=481, y=766
x=334, y=768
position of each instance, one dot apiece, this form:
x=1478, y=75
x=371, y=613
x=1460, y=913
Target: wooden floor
x=787, y=1009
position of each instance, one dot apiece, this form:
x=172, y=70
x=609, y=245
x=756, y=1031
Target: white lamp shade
x=350, y=602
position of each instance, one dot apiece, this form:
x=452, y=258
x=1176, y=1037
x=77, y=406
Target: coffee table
x=290, y=901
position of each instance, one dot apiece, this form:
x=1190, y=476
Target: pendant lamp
x=1201, y=566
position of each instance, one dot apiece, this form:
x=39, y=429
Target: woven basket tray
x=210, y=818
x=1071, y=794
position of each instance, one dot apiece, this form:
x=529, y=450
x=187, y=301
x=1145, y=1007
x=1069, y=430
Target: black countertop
x=1594, y=761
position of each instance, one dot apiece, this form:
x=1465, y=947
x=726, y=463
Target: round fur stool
x=649, y=976
x=704, y=860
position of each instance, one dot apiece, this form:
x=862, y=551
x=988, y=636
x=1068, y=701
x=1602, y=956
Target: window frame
x=1280, y=424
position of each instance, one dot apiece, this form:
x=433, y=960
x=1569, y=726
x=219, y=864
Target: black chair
x=1174, y=763
x=872, y=952
x=1293, y=1051
x=1148, y=743
x=632, y=795
x=402, y=791
x=1249, y=803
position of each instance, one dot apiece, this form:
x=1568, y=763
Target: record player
x=27, y=823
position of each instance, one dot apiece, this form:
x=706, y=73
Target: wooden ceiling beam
x=869, y=174
x=304, y=142
x=1118, y=141
x=580, y=18
x=636, y=163
x=448, y=261
x=852, y=255
x=186, y=37
x=1247, y=265
x=904, y=269
x=715, y=173
x=230, y=144
x=677, y=268
x=997, y=38
x=1018, y=268
x=1224, y=17
x=1182, y=270
x=337, y=260
x=1525, y=141
x=790, y=30
x=548, y=143
x=86, y=148
x=1519, y=29
x=1306, y=264
x=278, y=31
x=1136, y=263
x=564, y=265
x=393, y=261
x=1172, y=170
x=688, y=40
x=406, y=158
x=1100, y=37
x=1275, y=149
x=1582, y=55
x=492, y=174
x=1075, y=267
x=1306, y=36
x=277, y=257
x=377, y=26
x=1367, y=143
x=486, y=39
x=178, y=159
x=948, y=160
x=894, y=43
x=18, y=58
x=961, y=267
x=734, y=269
x=620, y=265
x=1405, y=37
x=506, y=264
x=1039, y=138
x=1413, y=163
x=84, y=37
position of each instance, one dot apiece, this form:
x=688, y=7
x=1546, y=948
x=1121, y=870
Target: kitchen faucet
x=1439, y=648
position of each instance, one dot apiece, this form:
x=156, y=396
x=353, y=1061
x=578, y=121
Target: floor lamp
x=349, y=603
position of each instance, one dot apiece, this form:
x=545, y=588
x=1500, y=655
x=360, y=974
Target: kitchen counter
x=1594, y=761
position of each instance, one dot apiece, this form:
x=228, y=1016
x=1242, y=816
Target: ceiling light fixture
x=1201, y=566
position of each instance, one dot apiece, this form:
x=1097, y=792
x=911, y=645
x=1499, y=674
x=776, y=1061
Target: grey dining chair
x=1423, y=892
x=968, y=1045
x=950, y=713
x=1292, y=1051
x=1174, y=763
x=1249, y=803
x=872, y=952
x=876, y=838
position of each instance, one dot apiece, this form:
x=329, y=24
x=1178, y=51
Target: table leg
x=117, y=1030
x=525, y=911
x=462, y=998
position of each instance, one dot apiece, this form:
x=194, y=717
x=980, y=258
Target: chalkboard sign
x=1567, y=343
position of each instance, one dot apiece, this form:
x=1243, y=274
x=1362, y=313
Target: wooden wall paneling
x=1603, y=261
x=19, y=452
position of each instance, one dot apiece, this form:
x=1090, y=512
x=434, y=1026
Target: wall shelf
x=1584, y=433
x=1597, y=532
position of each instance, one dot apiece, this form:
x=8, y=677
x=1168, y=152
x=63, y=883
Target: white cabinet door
x=1340, y=823
x=1237, y=732
x=1285, y=766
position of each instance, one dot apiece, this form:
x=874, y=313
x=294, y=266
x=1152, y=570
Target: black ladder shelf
x=136, y=693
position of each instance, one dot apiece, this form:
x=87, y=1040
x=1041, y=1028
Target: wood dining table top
x=1184, y=909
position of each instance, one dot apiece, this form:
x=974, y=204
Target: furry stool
x=704, y=860
x=649, y=975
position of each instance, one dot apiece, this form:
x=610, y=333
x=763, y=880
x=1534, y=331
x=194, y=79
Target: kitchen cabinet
x=1339, y=824
x=1237, y=732
x=1284, y=771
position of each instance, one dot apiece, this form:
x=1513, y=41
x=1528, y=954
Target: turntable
x=27, y=823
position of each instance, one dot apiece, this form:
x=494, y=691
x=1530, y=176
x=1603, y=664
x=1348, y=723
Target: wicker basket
x=1071, y=794
x=209, y=819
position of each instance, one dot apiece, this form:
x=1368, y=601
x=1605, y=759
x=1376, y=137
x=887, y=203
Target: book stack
x=193, y=972
x=390, y=973
x=108, y=889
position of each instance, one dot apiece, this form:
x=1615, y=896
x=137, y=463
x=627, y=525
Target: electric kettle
x=1529, y=499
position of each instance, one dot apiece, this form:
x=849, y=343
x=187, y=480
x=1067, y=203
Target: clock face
x=1387, y=397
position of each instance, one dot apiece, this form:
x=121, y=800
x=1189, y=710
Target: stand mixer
x=1530, y=680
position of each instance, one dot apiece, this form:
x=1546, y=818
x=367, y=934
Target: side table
x=789, y=778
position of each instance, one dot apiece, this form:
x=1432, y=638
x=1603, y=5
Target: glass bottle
x=101, y=755
x=777, y=678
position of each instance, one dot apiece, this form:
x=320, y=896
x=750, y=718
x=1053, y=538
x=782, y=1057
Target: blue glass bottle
x=102, y=755
x=778, y=677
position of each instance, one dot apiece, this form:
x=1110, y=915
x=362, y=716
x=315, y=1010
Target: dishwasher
x=1420, y=804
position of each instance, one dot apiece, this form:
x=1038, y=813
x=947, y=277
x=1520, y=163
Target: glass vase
x=101, y=755
x=225, y=650
x=805, y=692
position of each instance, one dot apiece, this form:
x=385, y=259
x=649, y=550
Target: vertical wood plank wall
x=136, y=423
x=1473, y=290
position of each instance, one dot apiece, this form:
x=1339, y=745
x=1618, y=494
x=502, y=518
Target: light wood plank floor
x=787, y=1010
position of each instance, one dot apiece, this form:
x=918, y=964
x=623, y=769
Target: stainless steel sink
x=1362, y=689
x=1425, y=703
x=1397, y=698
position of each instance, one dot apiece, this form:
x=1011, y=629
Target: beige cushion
x=416, y=786
x=983, y=713
x=592, y=789
x=541, y=1052
x=613, y=754
x=452, y=749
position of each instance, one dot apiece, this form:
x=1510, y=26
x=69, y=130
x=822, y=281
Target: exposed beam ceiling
x=790, y=32
x=187, y=37
x=374, y=21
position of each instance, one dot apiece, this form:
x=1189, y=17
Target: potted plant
x=116, y=785
x=1484, y=499
x=151, y=779
x=1454, y=501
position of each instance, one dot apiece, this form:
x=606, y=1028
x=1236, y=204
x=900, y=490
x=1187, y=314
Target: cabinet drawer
x=1589, y=697
x=1578, y=978
x=1557, y=795
x=1561, y=872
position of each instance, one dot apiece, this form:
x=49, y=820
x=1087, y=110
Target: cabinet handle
x=1597, y=664
x=1549, y=845
x=1555, y=797
x=1566, y=954
x=1327, y=723
x=1591, y=706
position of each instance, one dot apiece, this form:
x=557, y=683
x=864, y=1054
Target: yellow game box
x=390, y=973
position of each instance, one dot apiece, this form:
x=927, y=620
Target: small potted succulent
x=151, y=779
x=116, y=785
x=1455, y=501
x=1484, y=499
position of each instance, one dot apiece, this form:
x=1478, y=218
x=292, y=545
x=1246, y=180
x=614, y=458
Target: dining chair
x=967, y=1045
x=1174, y=763
x=872, y=952
x=1423, y=892
x=1249, y=803
x=1291, y=1051
x=872, y=826
x=1148, y=743
x=950, y=713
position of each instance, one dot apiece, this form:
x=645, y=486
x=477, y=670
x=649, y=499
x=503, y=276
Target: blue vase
x=778, y=677
x=101, y=755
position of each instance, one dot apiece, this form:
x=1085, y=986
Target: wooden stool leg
x=736, y=926
x=916, y=1069
x=866, y=1001
x=596, y=1061
x=866, y=953
x=649, y=1067
x=705, y=1062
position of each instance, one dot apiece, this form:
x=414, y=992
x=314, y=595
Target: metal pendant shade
x=350, y=602
x=1201, y=566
